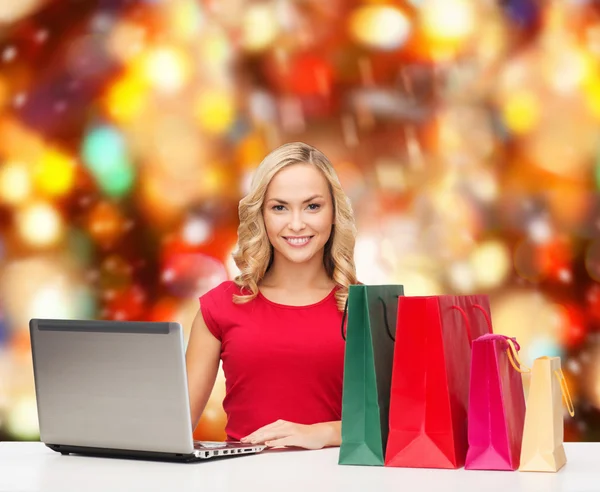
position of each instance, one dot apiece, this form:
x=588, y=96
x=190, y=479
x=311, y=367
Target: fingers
x=267, y=428
x=285, y=441
x=270, y=435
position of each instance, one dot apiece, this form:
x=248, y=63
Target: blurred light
x=105, y=154
x=391, y=175
x=22, y=419
x=260, y=26
x=532, y=318
x=177, y=149
x=567, y=68
x=543, y=346
x=461, y=277
x=521, y=111
x=417, y=283
x=211, y=426
x=41, y=36
x=351, y=178
x=592, y=260
x=167, y=69
x=127, y=98
x=525, y=261
x=539, y=230
x=491, y=264
x=105, y=223
x=126, y=304
x=484, y=186
x=13, y=10
x=39, y=224
x=232, y=269
x=250, y=151
x=20, y=99
x=196, y=231
x=215, y=180
x=165, y=199
x=246, y=182
x=50, y=301
x=215, y=111
x=366, y=253
x=4, y=93
x=215, y=50
x=87, y=56
x=42, y=287
x=185, y=19
x=15, y=183
x=55, y=173
x=126, y=41
x=164, y=310
x=184, y=314
x=592, y=377
x=262, y=107
x=565, y=140
x=102, y=22
x=597, y=170
x=115, y=273
x=574, y=325
x=192, y=274
x=379, y=26
x=447, y=20
x=568, y=203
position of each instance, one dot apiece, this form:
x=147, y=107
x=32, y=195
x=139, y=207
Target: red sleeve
x=210, y=306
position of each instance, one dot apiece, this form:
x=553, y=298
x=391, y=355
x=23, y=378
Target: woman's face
x=298, y=212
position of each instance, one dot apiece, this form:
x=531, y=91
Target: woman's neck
x=287, y=275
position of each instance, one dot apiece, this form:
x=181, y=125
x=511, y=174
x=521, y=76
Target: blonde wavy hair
x=254, y=255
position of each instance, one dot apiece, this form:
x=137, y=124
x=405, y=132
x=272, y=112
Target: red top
x=280, y=362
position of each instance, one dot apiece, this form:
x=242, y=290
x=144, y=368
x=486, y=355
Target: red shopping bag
x=496, y=405
x=430, y=379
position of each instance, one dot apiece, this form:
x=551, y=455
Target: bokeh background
x=466, y=134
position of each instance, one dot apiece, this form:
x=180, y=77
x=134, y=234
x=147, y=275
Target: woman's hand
x=284, y=433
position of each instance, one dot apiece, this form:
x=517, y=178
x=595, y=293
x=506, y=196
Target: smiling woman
x=276, y=326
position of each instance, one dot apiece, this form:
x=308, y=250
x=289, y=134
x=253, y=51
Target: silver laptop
x=113, y=388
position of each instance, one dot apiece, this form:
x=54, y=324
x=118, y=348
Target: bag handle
x=486, y=315
x=385, y=319
x=344, y=317
x=513, y=357
x=564, y=388
x=466, y=319
x=511, y=351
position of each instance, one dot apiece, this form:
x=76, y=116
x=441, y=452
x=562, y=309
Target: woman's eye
x=278, y=208
x=314, y=206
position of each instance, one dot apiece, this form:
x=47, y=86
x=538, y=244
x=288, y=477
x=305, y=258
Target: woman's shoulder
x=222, y=291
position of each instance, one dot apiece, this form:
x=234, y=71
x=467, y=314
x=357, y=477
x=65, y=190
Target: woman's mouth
x=297, y=241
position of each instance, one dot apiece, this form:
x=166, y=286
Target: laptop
x=117, y=389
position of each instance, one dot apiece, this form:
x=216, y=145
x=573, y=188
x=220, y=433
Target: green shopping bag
x=372, y=312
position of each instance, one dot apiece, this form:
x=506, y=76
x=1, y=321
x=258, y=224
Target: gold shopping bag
x=542, y=449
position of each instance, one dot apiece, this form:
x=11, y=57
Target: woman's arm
x=202, y=363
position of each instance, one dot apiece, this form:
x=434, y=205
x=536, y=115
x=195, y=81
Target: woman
x=277, y=326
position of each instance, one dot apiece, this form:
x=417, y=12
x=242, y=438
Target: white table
x=32, y=466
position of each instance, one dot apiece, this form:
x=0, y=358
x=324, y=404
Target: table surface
x=26, y=466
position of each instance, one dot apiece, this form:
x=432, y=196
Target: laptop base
x=125, y=453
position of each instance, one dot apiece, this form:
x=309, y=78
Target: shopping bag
x=542, y=448
x=430, y=380
x=496, y=404
x=371, y=313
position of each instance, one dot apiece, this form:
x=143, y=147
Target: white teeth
x=298, y=241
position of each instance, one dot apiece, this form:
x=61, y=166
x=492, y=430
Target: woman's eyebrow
x=283, y=202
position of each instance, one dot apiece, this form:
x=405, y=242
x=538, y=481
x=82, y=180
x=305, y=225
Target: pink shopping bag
x=496, y=405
